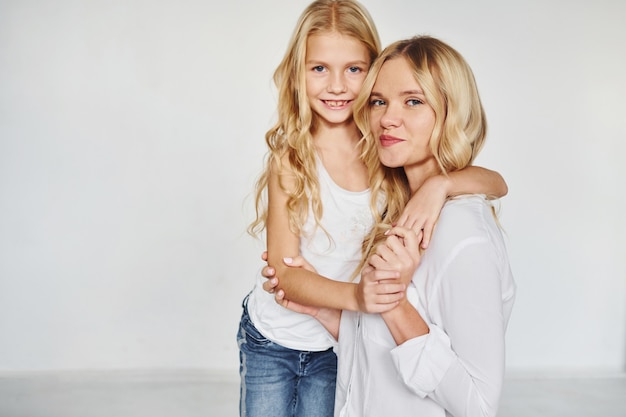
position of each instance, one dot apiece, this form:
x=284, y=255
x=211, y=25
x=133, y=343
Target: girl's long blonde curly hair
x=460, y=123
x=291, y=136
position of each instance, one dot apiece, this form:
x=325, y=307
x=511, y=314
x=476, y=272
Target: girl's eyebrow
x=359, y=62
x=347, y=64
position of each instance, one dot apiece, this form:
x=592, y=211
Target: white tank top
x=347, y=219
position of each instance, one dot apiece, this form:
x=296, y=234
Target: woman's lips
x=387, y=140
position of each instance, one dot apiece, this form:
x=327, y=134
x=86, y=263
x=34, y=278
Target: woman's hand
x=390, y=270
x=293, y=306
x=422, y=210
x=328, y=317
x=379, y=290
x=270, y=273
x=400, y=252
x=272, y=283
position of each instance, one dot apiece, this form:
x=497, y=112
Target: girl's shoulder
x=280, y=164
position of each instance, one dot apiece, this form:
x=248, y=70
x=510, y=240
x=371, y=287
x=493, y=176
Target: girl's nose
x=337, y=84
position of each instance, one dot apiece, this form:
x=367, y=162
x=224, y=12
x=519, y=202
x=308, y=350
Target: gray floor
x=195, y=394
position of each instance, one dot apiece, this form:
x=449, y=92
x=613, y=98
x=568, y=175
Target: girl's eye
x=318, y=68
x=354, y=70
x=414, y=102
x=377, y=102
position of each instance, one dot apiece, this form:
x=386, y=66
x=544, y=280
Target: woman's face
x=400, y=118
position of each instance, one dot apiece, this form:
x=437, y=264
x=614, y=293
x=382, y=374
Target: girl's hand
x=400, y=253
x=422, y=210
x=390, y=270
x=379, y=290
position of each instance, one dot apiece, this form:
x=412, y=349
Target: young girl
x=440, y=350
x=318, y=206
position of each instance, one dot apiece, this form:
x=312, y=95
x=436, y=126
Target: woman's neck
x=419, y=173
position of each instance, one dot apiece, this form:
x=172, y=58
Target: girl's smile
x=337, y=105
x=335, y=66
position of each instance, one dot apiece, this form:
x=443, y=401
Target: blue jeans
x=281, y=382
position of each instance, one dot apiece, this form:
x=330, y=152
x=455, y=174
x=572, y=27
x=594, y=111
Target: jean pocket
x=253, y=336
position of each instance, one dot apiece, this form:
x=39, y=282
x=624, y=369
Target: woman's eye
x=377, y=102
x=354, y=70
x=318, y=68
x=414, y=102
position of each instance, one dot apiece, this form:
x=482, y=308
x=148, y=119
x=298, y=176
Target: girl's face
x=336, y=66
x=401, y=120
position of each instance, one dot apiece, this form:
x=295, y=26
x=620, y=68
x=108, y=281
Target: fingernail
x=287, y=260
x=387, y=232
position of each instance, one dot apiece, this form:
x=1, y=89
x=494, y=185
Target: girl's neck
x=336, y=136
x=339, y=152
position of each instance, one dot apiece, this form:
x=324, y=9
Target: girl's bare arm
x=422, y=210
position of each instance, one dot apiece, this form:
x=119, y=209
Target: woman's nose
x=390, y=118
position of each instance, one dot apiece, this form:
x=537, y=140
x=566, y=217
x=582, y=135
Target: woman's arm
x=328, y=317
x=422, y=210
x=389, y=271
x=460, y=362
x=401, y=253
x=457, y=360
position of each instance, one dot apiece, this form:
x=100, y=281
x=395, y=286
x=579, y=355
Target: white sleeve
x=460, y=363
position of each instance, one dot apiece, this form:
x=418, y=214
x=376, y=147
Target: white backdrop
x=131, y=133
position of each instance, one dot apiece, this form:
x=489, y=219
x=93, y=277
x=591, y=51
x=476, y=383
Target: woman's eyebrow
x=412, y=92
x=403, y=93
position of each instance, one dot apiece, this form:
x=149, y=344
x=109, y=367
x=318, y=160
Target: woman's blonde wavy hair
x=292, y=133
x=460, y=123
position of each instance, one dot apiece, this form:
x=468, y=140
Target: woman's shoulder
x=465, y=218
x=466, y=207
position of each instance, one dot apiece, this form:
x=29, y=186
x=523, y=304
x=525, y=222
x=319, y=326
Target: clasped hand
x=389, y=271
x=383, y=281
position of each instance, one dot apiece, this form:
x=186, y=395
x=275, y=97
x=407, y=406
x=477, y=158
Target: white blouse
x=464, y=290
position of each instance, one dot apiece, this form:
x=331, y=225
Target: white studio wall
x=131, y=134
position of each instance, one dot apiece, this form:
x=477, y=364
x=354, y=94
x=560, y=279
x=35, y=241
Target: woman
x=440, y=349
